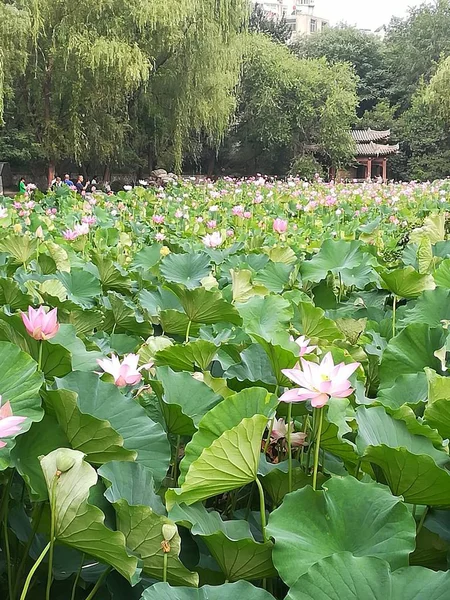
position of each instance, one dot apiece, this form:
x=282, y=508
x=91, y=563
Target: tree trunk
x=50, y=172
x=107, y=174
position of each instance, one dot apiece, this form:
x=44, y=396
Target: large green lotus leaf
x=20, y=383
x=243, y=288
x=104, y=401
x=227, y=591
x=442, y=274
x=377, y=428
x=280, y=358
x=82, y=359
x=177, y=323
x=11, y=295
x=59, y=255
x=78, y=524
x=433, y=228
x=112, y=277
x=20, y=247
x=437, y=411
x=199, y=353
x=161, y=298
x=254, y=367
x=410, y=389
x=147, y=257
x=207, y=307
x=87, y=433
x=81, y=287
x=231, y=543
x=56, y=360
x=410, y=352
x=122, y=316
x=431, y=308
x=268, y=317
x=85, y=321
x=335, y=519
x=43, y=438
x=230, y=462
x=277, y=254
x=407, y=282
x=335, y=427
x=274, y=277
x=344, y=259
x=417, y=427
x=412, y=466
x=311, y=321
x=184, y=393
x=344, y=576
x=226, y=415
x=187, y=269
x=141, y=517
x=276, y=480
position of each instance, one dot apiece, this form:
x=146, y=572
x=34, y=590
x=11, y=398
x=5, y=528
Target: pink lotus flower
x=9, y=425
x=126, y=372
x=247, y=214
x=160, y=237
x=81, y=229
x=212, y=240
x=39, y=324
x=303, y=344
x=279, y=432
x=158, y=219
x=280, y=225
x=178, y=214
x=238, y=210
x=211, y=224
x=319, y=383
x=70, y=235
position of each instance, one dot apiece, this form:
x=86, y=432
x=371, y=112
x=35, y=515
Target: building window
x=324, y=25
x=313, y=26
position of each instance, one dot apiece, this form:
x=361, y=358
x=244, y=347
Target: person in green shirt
x=22, y=186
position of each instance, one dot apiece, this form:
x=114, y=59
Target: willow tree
x=89, y=60
x=14, y=28
x=197, y=47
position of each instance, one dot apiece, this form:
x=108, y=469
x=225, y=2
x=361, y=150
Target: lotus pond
x=221, y=390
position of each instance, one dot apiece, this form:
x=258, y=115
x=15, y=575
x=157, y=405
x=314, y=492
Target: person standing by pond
x=81, y=187
x=22, y=186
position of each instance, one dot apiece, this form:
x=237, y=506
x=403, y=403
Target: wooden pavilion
x=371, y=155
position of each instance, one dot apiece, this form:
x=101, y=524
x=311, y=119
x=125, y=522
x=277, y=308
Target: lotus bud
x=64, y=460
x=169, y=531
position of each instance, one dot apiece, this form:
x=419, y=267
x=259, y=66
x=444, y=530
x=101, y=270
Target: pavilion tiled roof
x=372, y=149
x=370, y=135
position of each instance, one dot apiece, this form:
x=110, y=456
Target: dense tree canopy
x=215, y=86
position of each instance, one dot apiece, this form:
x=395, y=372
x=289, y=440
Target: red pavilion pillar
x=384, y=169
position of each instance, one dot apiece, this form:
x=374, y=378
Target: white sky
x=367, y=14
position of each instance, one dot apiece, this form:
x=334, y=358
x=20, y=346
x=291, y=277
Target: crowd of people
x=80, y=186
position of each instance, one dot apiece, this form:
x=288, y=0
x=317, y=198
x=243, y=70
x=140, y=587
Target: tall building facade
x=299, y=15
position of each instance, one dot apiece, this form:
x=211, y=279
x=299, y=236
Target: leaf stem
x=188, y=331
x=8, y=555
x=266, y=445
x=422, y=520
x=99, y=583
x=77, y=577
x=394, y=314
x=317, y=447
x=289, y=419
x=52, y=536
x=39, y=510
x=262, y=508
x=33, y=571
x=165, y=561
x=175, y=461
